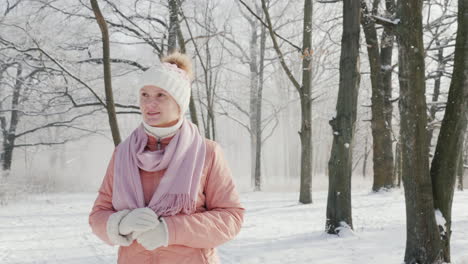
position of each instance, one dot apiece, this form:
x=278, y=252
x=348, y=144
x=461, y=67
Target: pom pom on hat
x=172, y=74
x=182, y=61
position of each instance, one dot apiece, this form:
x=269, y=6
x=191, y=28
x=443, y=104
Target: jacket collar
x=152, y=143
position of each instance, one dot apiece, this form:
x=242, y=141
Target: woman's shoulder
x=210, y=143
x=212, y=146
x=213, y=150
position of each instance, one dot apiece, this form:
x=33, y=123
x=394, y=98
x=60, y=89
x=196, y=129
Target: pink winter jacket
x=192, y=238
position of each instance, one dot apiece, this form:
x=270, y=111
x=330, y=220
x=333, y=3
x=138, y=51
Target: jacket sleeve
x=103, y=208
x=224, y=216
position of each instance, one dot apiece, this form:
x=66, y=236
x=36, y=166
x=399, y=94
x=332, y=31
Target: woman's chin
x=158, y=122
x=154, y=122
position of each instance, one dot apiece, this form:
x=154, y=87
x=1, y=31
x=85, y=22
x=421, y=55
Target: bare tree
x=257, y=63
x=438, y=29
x=398, y=164
x=34, y=105
x=305, y=93
x=381, y=121
x=460, y=169
x=41, y=76
x=340, y=164
x=464, y=166
x=107, y=73
x=173, y=26
x=182, y=46
x=210, y=68
x=256, y=87
x=423, y=241
x=255, y=59
x=449, y=149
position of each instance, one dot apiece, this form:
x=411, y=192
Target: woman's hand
x=138, y=220
x=154, y=238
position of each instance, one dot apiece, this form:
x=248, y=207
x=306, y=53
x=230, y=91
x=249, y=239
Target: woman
x=168, y=194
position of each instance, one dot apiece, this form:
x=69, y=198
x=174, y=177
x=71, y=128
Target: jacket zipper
x=159, y=143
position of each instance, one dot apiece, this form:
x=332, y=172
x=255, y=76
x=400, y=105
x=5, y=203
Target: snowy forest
x=344, y=122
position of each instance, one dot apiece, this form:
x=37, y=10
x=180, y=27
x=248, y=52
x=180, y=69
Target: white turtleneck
x=163, y=132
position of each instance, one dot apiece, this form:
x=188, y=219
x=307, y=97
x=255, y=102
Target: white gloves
x=113, y=229
x=154, y=238
x=122, y=223
x=140, y=219
x=141, y=224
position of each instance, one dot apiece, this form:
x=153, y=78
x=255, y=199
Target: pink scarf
x=183, y=158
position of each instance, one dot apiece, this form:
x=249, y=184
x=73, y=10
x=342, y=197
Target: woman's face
x=158, y=107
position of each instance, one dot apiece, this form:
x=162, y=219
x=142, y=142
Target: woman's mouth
x=153, y=113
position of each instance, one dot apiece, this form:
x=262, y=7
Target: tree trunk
x=173, y=21
x=209, y=85
x=452, y=132
x=364, y=163
x=181, y=41
x=254, y=82
x=258, y=116
x=398, y=162
x=3, y=125
x=304, y=90
x=7, y=155
x=435, y=95
x=460, y=170
x=10, y=133
x=422, y=239
x=465, y=163
x=256, y=85
x=386, y=54
x=107, y=73
x=382, y=142
x=305, y=195
x=340, y=164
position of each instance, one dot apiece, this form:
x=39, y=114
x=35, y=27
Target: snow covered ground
x=53, y=228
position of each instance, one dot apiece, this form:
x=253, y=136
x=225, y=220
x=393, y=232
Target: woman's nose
x=152, y=102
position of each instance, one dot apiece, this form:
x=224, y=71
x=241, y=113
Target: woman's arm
x=224, y=216
x=103, y=208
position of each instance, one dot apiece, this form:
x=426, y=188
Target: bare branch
x=267, y=26
x=54, y=124
x=11, y=7
x=386, y=22
x=149, y=40
x=41, y=144
x=278, y=50
x=124, y=61
x=328, y=1
x=128, y=112
x=56, y=62
x=271, y=131
x=237, y=106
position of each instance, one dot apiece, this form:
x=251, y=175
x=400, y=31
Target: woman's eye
x=144, y=94
x=161, y=94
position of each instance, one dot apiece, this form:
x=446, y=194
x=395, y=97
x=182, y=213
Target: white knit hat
x=171, y=78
